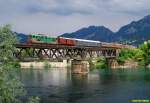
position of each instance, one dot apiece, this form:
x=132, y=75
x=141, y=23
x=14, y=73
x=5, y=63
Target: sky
x=55, y=17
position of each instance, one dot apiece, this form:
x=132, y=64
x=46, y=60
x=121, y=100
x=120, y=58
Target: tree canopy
x=146, y=49
x=10, y=87
x=126, y=54
x=7, y=41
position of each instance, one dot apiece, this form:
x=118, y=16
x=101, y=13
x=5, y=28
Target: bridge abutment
x=79, y=66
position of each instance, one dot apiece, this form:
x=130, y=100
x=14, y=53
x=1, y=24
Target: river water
x=99, y=86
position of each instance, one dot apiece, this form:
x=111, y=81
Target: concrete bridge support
x=112, y=63
x=79, y=66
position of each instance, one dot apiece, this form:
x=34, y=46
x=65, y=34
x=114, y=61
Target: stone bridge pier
x=82, y=66
x=112, y=63
x=79, y=66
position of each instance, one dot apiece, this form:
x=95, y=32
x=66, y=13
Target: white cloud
x=60, y=16
x=133, y=6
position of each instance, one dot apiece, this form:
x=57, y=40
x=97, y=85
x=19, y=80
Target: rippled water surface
x=99, y=86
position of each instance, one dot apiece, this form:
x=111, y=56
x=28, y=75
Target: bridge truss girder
x=64, y=53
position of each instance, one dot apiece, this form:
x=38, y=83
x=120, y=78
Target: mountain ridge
x=134, y=33
x=95, y=31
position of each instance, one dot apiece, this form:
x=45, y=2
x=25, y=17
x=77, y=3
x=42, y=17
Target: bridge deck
x=47, y=46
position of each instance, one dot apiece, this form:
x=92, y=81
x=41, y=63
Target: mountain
x=134, y=33
x=92, y=33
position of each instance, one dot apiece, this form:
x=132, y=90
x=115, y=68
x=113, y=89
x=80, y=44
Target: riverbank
x=41, y=65
x=129, y=64
x=64, y=64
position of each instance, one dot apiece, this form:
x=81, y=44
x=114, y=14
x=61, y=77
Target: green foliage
x=146, y=55
x=99, y=64
x=7, y=41
x=126, y=54
x=34, y=100
x=141, y=55
x=138, y=55
x=141, y=63
x=91, y=64
x=16, y=64
x=26, y=54
x=10, y=86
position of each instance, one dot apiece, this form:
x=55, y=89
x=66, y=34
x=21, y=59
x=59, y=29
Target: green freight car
x=42, y=38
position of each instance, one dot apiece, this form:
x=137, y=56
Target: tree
x=7, y=41
x=10, y=87
x=146, y=49
x=126, y=54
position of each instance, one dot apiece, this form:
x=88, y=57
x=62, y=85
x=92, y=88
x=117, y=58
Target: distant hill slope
x=92, y=33
x=134, y=33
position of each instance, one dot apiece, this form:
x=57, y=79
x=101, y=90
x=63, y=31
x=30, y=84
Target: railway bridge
x=77, y=54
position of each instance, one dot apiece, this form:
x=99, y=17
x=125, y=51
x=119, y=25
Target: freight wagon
x=65, y=41
x=79, y=42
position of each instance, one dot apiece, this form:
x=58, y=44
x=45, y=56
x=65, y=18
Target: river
x=99, y=86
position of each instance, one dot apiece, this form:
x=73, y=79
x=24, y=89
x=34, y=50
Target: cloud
x=60, y=16
x=129, y=6
x=63, y=7
x=69, y=7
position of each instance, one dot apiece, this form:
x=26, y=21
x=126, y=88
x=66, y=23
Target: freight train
x=39, y=38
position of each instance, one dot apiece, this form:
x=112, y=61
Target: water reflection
x=76, y=89
x=99, y=86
